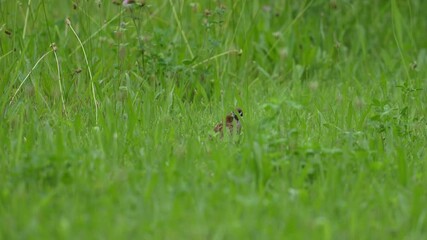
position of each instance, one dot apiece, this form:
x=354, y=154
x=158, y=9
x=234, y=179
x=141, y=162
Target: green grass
x=119, y=147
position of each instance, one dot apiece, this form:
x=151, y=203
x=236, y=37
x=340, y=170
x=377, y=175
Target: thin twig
x=141, y=47
x=217, y=56
x=11, y=51
x=26, y=77
x=54, y=48
x=180, y=29
x=26, y=19
x=95, y=33
x=88, y=67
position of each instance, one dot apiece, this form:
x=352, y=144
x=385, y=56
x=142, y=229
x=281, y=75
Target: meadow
x=107, y=117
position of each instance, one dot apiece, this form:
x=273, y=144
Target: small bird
x=231, y=121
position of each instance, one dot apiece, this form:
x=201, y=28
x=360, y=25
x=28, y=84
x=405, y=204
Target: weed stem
x=26, y=77
x=88, y=67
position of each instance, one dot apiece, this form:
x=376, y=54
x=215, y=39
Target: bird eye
x=240, y=112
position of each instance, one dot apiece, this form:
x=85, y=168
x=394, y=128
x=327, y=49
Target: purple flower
x=128, y=2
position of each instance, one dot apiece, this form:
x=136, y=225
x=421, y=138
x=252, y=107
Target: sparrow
x=231, y=121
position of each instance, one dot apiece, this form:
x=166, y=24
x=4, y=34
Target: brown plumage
x=231, y=120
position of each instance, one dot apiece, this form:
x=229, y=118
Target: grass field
x=107, y=117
